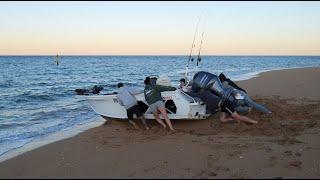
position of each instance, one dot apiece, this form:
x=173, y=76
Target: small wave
x=63, y=112
x=2, y=85
x=29, y=97
x=9, y=146
x=6, y=84
x=14, y=141
x=10, y=125
x=43, y=84
x=58, y=93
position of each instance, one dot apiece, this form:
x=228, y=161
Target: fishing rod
x=193, y=42
x=56, y=59
x=199, y=58
x=190, y=58
x=200, y=47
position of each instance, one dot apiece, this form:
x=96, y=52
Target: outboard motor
x=205, y=81
x=229, y=95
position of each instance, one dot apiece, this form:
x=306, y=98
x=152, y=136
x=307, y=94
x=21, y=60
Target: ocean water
x=37, y=97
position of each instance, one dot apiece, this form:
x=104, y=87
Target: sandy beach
x=282, y=145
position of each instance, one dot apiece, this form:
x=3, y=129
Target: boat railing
x=194, y=101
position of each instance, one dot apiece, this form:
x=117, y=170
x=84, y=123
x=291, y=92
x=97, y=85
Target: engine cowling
x=229, y=95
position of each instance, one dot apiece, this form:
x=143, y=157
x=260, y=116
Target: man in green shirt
x=153, y=97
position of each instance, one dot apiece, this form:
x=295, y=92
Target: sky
x=159, y=28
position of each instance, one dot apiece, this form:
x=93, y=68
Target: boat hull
x=178, y=105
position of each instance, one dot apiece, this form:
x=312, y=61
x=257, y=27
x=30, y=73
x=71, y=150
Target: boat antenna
x=190, y=58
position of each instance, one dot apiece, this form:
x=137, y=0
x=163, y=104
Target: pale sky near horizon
x=159, y=28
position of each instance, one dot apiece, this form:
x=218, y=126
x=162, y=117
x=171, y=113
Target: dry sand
x=282, y=145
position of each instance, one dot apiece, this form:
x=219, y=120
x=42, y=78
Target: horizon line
x=146, y=55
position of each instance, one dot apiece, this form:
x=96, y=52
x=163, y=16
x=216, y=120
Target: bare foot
x=253, y=122
x=227, y=120
x=172, y=131
x=136, y=127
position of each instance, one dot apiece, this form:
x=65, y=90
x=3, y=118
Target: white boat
x=178, y=105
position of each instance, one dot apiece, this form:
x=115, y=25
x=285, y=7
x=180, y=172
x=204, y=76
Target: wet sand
x=282, y=145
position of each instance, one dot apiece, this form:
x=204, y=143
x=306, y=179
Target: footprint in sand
x=273, y=160
x=295, y=164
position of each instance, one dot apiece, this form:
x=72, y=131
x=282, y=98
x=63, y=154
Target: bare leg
x=223, y=117
x=156, y=115
x=165, y=116
x=239, y=117
x=134, y=124
x=144, y=122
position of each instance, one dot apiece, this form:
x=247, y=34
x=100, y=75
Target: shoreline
x=304, y=88
x=103, y=140
x=251, y=75
x=51, y=138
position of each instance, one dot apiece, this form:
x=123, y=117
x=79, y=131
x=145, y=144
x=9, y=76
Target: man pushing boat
x=126, y=98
